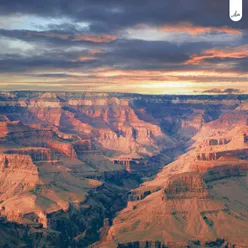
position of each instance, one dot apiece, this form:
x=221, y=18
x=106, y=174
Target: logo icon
x=235, y=10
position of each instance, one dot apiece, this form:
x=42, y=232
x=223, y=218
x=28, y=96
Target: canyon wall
x=79, y=168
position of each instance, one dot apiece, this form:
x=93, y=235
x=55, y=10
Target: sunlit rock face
x=198, y=200
x=110, y=121
x=18, y=175
x=81, y=168
x=185, y=185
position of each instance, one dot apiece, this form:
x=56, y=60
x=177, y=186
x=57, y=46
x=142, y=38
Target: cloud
x=109, y=15
x=120, y=54
x=104, y=38
x=225, y=91
x=19, y=64
x=92, y=41
x=55, y=35
x=51, y=75
x=239, y=52
x=198, y=30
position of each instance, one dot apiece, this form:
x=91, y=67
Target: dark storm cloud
x=120, y=54
x=140, y=52
x=15, y=63
x=150, y=55
x=127, y=54
x=108, y=15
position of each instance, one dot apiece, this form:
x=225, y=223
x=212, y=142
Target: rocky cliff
x=200, y=200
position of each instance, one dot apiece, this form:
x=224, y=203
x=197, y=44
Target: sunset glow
x=122, y=49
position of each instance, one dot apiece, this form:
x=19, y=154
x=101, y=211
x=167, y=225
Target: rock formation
x=196, y=201
x=36, y=153
x=78, y=168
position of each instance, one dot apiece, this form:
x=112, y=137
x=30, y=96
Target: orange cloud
x=85, y=58
x=196, y=30
x=105, y=38
x=90, y=56
x=228, y=52
x=95, y=51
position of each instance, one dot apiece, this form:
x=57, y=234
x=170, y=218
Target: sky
x=134, y=46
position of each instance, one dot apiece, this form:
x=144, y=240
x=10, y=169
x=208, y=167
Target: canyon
x=123, y=170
